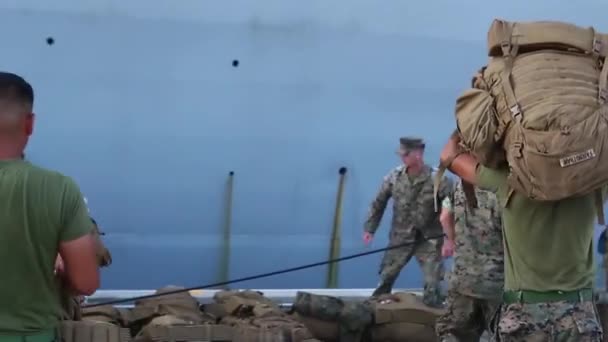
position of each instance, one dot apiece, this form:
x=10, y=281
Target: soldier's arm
x=464, y=165
x=447, y=219
x=446, y=188
x=76, y=246
x=379, y=204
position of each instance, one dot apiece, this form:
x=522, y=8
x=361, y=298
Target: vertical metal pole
x=334, y=248
x=225, y=258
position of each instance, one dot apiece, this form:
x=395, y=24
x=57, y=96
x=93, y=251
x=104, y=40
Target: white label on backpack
x=577, y=158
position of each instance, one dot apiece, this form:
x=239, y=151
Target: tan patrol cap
x=407, y=144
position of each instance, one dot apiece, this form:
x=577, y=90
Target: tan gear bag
x=87, y=331
x=540, y=105
x=404, y=317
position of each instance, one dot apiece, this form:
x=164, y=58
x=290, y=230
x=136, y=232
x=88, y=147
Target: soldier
x=548, y=247
x=473, y=233
x=414, y=219
x=42, y=214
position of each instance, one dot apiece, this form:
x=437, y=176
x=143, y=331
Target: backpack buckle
x=517, y=148
x=597, y=45
x=516, y=112
x=505, y=46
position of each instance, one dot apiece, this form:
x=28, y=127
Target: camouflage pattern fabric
x=478, y=251
x=353, y=318
x=477, y=280
x=466, y=318
x=428, y=255
x=557, y=321
x=414, y=218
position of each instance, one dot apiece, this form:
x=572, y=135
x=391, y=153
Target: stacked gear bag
x=539, y=106
x=399, y=317
x=98, y=324
x=255, y=318
x=235, y=316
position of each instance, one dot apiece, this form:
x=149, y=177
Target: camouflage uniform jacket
x=413, y=204
x=478, y=252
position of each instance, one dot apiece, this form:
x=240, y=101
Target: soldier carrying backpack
x=534, y=129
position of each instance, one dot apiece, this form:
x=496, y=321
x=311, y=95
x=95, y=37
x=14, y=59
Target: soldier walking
x=473, y=230
x=414, y=219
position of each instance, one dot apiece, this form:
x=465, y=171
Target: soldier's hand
x=447, y=250
x=367, y=238
x=450, y=149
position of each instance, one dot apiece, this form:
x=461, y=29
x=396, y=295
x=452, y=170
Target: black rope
x=265, y=275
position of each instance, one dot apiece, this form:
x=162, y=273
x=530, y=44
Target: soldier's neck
x=414, y=170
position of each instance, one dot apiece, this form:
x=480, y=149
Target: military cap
x=407, y=144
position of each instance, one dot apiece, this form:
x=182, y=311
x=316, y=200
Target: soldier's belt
x=532, y=297
x=47, y=336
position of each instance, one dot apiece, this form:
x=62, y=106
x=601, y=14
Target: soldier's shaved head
x=16, y=117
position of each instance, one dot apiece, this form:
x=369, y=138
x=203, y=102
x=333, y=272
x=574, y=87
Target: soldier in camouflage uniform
x=548, y=252
x=414, y=219
x=477, y=280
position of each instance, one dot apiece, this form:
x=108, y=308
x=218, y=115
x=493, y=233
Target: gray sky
x=461, y=20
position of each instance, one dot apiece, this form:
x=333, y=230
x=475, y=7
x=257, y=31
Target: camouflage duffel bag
x=332, y=319
x=403, y=317
x=88, y=331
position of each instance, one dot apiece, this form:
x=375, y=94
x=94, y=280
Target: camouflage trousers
x=466, y=318
x=556, y=321
x=428, y=255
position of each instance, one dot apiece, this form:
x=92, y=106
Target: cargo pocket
x=477, y=123
x=587, y=322
x=562, y=163
x=512, y=324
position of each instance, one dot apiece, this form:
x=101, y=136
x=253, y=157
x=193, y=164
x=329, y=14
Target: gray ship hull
x=150, y=104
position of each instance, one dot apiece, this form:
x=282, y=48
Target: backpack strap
x=439, y=176
x=509, y=52
x=436, y=182
x=469, y=194
x=441, y=171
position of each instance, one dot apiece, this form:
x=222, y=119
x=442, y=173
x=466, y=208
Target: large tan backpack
x=540, y=107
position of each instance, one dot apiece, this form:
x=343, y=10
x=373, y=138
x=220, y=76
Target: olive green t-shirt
x=548, y=245
x=38, y=210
